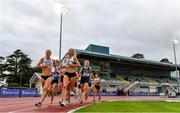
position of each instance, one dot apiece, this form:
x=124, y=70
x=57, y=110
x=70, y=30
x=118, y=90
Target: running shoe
x=63, y=104
x=72, y=94
x=60, y=102
x=38, y=104
x=81, y=102
x=99, y=99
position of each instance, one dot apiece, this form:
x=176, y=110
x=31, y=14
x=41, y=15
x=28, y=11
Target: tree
x=165, y=60
x=138, y=56
x=19, y=65
x=3, y=67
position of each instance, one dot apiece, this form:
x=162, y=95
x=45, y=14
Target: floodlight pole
x=60, y=38
x=175, y=59
x=60, y=47
x=66, y=10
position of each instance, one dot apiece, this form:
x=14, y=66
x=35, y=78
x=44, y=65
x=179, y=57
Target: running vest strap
x=68, y=61
x=86, y=72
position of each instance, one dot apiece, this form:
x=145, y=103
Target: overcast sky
x=126, y=26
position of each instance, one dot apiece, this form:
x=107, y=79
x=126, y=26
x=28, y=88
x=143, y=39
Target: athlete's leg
x=81, y=89
x=72, y=83
x=86, y=96
x=42, y=82
x=94, y=93
x=68, y=95
x=85, y=89
x=65, y=86
x=55, y=88
x=45, y=89
x=99, y=94
x=51, y=92
x=61, y=87
x=54, y=91
x=52, y=97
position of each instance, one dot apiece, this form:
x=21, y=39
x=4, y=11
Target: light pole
x=63, y=11
x=174, y=41
x=60, y=40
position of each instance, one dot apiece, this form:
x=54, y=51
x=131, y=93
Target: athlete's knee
x=84, y=90
x=65, y=86
x=72, y=88
x=45, y=89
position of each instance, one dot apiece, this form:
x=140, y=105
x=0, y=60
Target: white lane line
x=16, y=105
x=12, y=103
x=72, y=111
x=21, y=110
x=26, y=109
x=29, y=109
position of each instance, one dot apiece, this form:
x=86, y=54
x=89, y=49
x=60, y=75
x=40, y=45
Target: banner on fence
x=29, y=92
x=10, y=92
x=5, y=92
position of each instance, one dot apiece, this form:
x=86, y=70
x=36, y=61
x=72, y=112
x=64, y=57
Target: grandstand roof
x=124, y=58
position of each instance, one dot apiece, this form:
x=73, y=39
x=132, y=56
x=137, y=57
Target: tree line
x=17, y=68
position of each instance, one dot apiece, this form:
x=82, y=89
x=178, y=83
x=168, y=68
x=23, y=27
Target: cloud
x=126, y=26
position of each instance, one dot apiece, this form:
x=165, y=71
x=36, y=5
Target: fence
x=18, y=92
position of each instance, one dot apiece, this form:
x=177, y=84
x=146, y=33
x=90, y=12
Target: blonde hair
x=74, y=52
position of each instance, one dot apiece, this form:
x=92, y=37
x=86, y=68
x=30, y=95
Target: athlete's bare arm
x=99, y=81
x=60, y=70
x=39, y=65
x=80, y=72
x=91, y=74
x=77, y=63
x=54, y=64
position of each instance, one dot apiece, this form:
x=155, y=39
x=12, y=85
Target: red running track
x=27, y=104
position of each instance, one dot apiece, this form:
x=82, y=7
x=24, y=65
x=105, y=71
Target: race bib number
x=86, y=74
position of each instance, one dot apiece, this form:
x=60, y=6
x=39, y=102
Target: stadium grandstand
x=130, y=76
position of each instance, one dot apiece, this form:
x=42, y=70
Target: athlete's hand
x=69, y=64
x=59, y=75
x=80, y=75
x=61, y=72
x=57, y=68
x=44, y=66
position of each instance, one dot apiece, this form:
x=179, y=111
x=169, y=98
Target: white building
x=36, y=79
x=3, y=82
